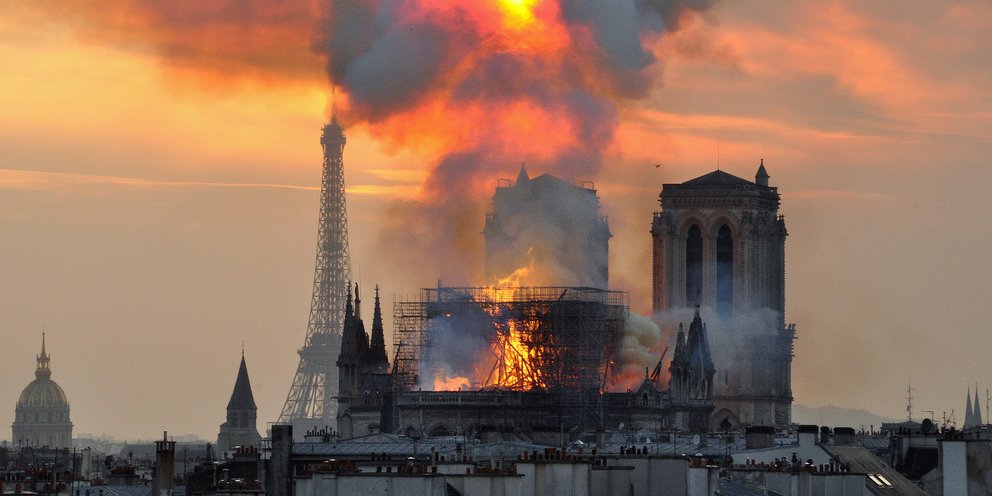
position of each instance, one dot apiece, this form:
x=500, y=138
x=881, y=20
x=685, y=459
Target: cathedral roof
x=43, y=392
x=719, y=189
x=717, y=178
x=241, y=397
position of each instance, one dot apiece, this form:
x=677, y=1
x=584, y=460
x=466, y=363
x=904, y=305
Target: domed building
x=42, y=414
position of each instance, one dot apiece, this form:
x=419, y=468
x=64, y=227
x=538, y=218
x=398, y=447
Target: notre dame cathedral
x=719, y=242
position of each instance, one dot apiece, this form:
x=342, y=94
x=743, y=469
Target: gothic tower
x=241, y=428
x=720, y=236
x=310, y=400
x=363, y=372
x=690, y=384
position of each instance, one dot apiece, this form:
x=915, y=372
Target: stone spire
x=358, y=304
x=969, y=415
x=522, y=177
x=378, y=360
x=349, y=346
x=977, y=411
x=698, y=354
x=761, y=178
x=241, y=427
x=242, y=397
x=43, y=371
x=361, y=337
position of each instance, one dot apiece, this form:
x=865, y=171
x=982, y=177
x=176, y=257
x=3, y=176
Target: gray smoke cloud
x=725, y=334
x=394, y=58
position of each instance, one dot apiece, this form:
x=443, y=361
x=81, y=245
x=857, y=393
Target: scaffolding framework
x=549, y=339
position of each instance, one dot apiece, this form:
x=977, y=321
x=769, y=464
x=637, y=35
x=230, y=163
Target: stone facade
x=41, y=417
x=719, y=242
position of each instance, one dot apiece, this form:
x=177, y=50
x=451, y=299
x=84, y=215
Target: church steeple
x=43, y=371
x=969, y=415
x=242, y=397
x=378, y=360
x=241, y=427
x=522, y=177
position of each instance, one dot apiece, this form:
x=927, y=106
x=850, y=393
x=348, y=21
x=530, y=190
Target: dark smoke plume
x=501, y=82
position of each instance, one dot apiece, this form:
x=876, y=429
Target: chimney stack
x=165, y=466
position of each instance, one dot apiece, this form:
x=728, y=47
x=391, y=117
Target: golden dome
x=43, y=392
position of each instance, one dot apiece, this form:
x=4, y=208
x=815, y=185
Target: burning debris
x=511, y=339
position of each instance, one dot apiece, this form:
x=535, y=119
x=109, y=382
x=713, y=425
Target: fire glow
x=526, y=338
x=513, y=359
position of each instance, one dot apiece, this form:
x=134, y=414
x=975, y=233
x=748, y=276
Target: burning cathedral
x=513, y=361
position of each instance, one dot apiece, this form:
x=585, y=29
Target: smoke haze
x=486, y=85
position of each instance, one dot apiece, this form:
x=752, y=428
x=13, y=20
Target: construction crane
x=657, y=368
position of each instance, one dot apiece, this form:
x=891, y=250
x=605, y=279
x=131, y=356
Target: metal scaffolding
x=560, y=340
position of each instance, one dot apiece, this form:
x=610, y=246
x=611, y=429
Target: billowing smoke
x=544, y=232
x=727, y=335
x=486, y=85
x=640, y=351
x=458, y=351
x=479, y=85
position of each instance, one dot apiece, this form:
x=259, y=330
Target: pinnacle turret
x=522, y=176
x=378, y=360
x=977, y=411
x=43, y=371
x=349, y=345
x=761, y=177
x=969, y=412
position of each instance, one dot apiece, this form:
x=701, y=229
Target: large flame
x=512, y=360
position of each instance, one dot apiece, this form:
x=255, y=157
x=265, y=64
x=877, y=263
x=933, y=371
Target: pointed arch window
x=693, y=264
x=725, y=270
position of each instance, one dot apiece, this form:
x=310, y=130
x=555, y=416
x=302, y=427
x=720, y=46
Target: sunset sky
x=160, y=166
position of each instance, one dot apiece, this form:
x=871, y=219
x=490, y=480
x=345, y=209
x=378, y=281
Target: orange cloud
x=205, y=43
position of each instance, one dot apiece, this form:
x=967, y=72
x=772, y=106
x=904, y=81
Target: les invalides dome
x=42, y=414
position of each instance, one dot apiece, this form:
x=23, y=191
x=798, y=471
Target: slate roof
x=733, y=488
x=718, y=178
x=121, y=490
x=241, y=397
x=863, y=461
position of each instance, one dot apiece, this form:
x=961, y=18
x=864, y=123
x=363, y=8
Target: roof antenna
x=718, y=152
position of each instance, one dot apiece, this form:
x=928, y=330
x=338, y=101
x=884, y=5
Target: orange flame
x=443, y=382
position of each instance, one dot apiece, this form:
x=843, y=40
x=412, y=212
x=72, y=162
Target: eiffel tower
x=310, y=402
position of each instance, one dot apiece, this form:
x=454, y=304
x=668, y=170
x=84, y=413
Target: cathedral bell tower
x=721, y=237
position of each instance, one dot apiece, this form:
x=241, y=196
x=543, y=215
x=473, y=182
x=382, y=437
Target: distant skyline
x=158, y=204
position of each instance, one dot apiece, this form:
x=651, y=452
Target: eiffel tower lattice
x=311, y=397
